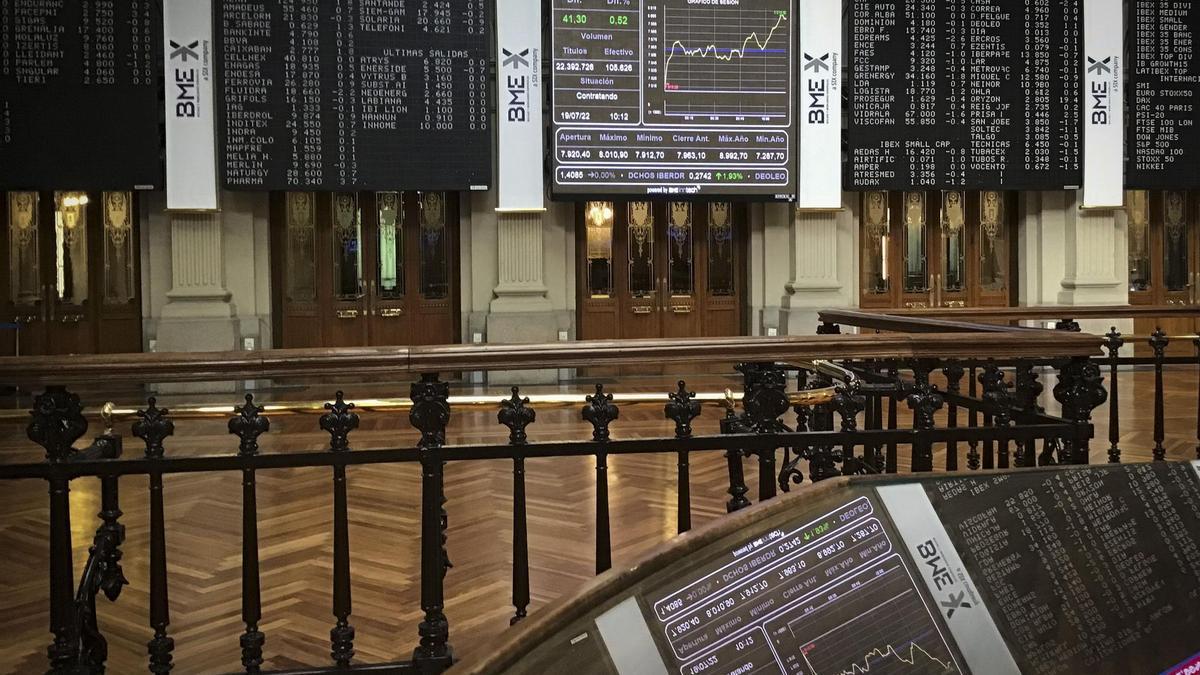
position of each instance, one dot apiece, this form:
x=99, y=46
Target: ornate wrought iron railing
x=841, y=417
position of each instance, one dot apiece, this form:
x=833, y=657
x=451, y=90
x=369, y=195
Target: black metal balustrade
x=833, y=422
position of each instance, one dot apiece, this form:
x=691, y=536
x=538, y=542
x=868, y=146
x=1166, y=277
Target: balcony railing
x=810, y=408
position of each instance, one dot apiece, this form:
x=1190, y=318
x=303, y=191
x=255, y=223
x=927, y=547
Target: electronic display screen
x=951, y=94
x=1087, y=570
x=673, y=97
x=333, y=95
x=1163, y=146
x=80, y=95
x=1090, y=569
x=829, y=595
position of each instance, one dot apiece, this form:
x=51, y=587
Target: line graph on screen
x=726, y=60
x=873, y=622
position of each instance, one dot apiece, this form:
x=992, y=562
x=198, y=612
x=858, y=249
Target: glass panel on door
x=70, y=248
x=25, y=274
x=721, y=269
x=993, y=242
x=435, y=265
x=301, y=248
x=916, y=268
x=641, y=249
x=953, y=270
x=119, y=277
x=679, y=251
x=598, y=221
x=1138, y=211
x=390, y=273
x=347, y=241
x=876, y=230
x=1176, y=242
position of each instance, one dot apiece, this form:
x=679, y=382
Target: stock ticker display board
x=1092, y=569
x=1089, y=569
x=964, y=94
x=673, y=97
x=79, y=94
x=1163, y=144
x=340, y=95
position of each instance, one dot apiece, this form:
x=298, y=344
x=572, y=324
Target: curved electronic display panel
x=673, y=97
x=1078, y=569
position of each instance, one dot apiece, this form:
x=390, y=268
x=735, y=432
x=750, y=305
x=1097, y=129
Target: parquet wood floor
x=204, y=512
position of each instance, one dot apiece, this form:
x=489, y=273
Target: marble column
x=520, y=311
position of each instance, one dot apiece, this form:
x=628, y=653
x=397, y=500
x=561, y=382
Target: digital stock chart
x=673, y=98
x=832, y=596
x=731, y=63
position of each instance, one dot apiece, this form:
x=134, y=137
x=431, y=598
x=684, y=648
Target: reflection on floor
x=204, y=524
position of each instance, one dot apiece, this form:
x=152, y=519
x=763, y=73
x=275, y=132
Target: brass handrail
x=109, y=412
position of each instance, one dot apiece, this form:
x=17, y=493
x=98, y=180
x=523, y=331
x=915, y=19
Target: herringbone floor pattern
x=295, y=523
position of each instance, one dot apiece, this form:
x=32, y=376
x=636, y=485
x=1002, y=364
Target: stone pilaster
x=1095, y=258
x=520, y=312
x=822, y=255
x=198, y=315
x=1071, y=256
x=521, y=287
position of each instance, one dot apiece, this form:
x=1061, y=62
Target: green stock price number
x=575, y=19
x=729, y=176
x=618, y=20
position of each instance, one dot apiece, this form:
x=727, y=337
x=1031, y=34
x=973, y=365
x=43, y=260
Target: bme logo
x=517, y=85
x=943, y=580
x=1099, y=89
x=185, y=78
x=817, y=87
x=182, y=52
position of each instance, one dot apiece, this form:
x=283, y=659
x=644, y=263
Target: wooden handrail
x=889, y=321
x=1050, y=313
x=365, y=361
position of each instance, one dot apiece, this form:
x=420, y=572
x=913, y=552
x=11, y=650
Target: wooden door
x=433, y=269
x=918, y=251
x=721, y=268
x=72, y=286
x=389, y=318
x=68, y=282
x=927, y=249
x=1164, y=262
x=117, y=276
x=27, y=258
x=369, y=268
x=678, y=258
x=660, y=269
x=346, y=322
